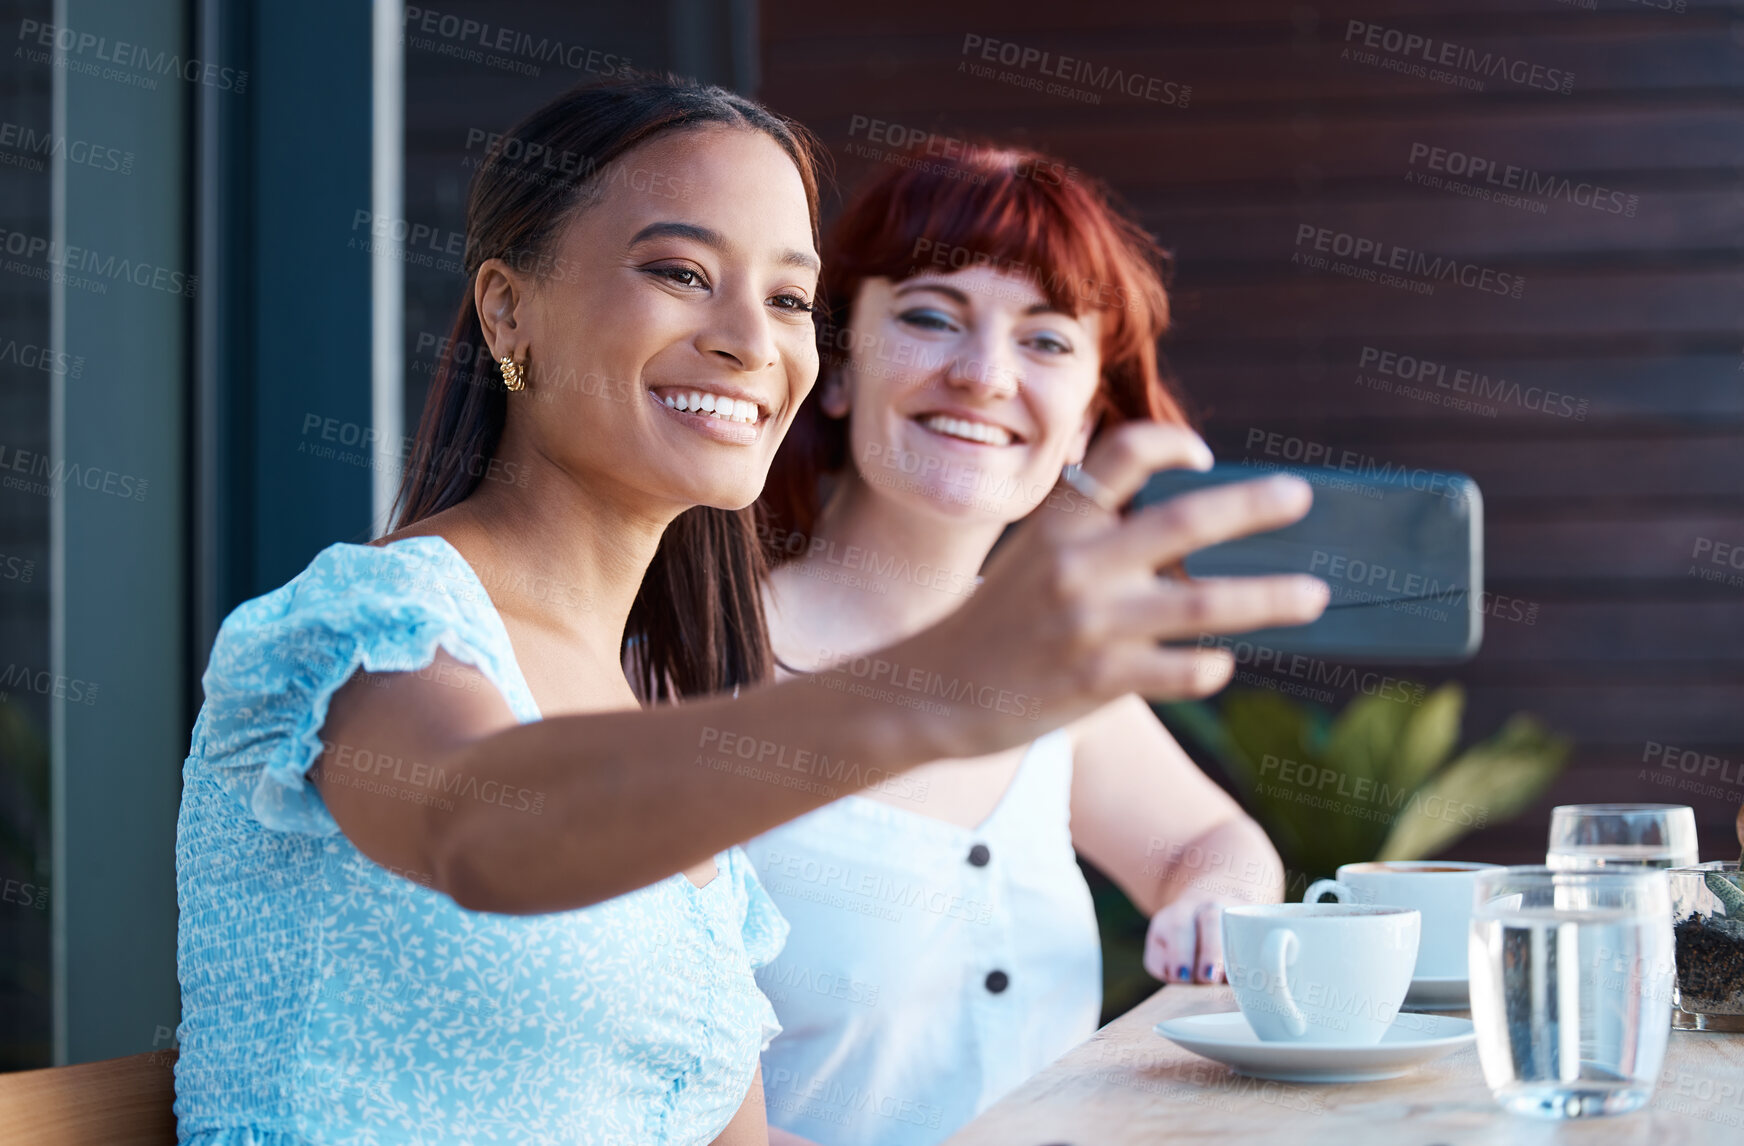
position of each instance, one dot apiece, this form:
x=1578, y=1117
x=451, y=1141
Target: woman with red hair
x=989, y=315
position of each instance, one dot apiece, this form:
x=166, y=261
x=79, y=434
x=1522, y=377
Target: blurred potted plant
x=1377, y=781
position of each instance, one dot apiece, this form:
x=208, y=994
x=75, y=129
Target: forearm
x=1070, y=617
x=626, y=799
x=1233, y=860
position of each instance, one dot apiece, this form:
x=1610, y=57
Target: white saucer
x=1411, y=1041
x=1431, y=994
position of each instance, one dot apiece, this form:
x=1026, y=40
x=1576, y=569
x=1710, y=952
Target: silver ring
x=1089, y=488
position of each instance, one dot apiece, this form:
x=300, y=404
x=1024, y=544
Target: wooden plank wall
x=1599, y=526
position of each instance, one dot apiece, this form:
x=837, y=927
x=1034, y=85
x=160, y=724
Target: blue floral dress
x=328, y=1000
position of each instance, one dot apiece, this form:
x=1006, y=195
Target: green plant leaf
x=1371, y=782
x=1262, y=724
x=1365, y=736
x=1727, y=893
x=1488, y=783
x=1430, y=733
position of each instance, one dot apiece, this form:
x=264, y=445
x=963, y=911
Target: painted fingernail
x=1210, y=970
x=1186, y=972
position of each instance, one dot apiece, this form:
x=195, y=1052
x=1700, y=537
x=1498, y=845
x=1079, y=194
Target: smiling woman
x=442, y=879
x=991, y=324
x=537, y=255
x=310, y=1000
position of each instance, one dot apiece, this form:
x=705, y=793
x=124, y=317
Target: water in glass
x=1571, y=994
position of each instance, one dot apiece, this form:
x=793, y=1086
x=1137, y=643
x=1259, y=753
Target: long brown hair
x=1012, y=209
x=697, y=623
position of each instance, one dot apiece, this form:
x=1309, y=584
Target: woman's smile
x=735, y=418
x=967, y=429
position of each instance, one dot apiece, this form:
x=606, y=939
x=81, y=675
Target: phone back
x=1401, y=550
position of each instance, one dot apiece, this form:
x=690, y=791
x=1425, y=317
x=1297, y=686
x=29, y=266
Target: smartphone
x=1402, y=552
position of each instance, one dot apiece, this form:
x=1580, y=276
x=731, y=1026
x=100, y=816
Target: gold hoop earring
x=512, y=378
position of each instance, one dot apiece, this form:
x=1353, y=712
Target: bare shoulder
x=447, y=701
x=385, y=737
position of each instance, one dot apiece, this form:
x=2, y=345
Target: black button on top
x=979, y=855
x=997, y=981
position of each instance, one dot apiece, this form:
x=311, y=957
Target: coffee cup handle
x=1340, y=891
x=1277, y=953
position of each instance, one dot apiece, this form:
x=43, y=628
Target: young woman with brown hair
x=442, y=878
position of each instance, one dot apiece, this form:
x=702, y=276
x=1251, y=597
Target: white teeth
x=969, y=431
x=717, y=405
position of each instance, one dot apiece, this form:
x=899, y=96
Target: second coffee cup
x=1441, y=890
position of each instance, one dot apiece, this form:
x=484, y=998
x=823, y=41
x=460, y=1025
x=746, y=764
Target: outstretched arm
x=566, y=812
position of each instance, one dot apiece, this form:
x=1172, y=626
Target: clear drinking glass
x=1571, y=985
x=1586, y=836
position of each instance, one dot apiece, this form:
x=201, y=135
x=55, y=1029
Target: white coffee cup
x=1330, y=973
x=1440, y=889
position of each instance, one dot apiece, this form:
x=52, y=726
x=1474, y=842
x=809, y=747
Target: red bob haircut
x=1019, y=212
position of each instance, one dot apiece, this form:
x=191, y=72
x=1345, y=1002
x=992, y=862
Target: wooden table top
x=1129, y=1085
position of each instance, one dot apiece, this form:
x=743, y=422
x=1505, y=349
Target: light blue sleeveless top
x=931, y=967
x=326, y=1000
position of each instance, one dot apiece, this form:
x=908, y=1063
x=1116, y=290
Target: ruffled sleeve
x=279, y=659
x=766, y=929
x=764, y=934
